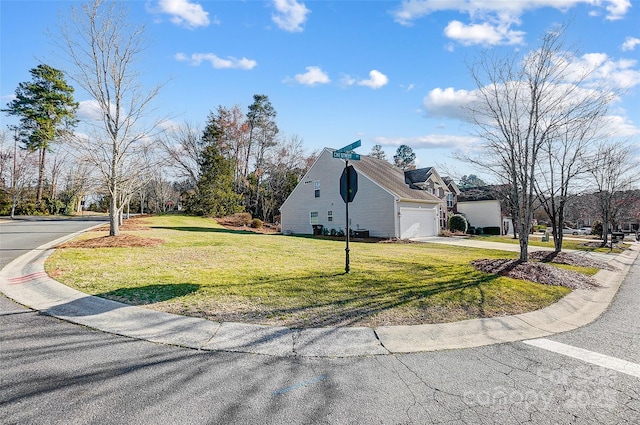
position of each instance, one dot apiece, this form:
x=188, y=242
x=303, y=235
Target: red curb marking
x=27, y=278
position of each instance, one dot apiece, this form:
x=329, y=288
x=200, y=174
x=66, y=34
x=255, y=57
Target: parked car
x=586, y=230
x=570, y=231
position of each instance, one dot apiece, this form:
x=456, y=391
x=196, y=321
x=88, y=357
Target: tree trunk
x=114, y=219
x=40, y=188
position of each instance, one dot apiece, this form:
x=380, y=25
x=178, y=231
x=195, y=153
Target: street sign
x=350, y=147
x=346, y=155
x=348, y=184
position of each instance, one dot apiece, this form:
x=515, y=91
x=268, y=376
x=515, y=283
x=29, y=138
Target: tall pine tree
x=46, y=109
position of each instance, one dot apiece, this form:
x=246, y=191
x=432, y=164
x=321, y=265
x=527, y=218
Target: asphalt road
x=57, y=373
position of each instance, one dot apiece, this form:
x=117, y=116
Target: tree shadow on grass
x=150, y=294
x=206, y=230
x=350, y=306
x=113, y=300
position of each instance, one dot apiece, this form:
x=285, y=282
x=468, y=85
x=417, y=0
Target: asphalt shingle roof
x=391, y=178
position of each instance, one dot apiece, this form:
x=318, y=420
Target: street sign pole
x=347, y=267
x=348, y=188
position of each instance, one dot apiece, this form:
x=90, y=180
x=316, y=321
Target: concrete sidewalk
x=25, y=281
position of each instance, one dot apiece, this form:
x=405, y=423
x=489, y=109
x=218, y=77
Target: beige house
x=385, y=204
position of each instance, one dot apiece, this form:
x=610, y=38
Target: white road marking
x=598, y=359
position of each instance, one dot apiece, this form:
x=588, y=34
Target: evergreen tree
x=377, y=152
x=405, y=158
x=215, y=196
x=467, y=182
x=46, y=109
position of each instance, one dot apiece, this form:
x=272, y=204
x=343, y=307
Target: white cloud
x=630, y=43
x=169, y=125
x=617, y=9
x=491, y=20
x=290, y=15
x=313, y=76
x=185, y=13
x=431, y=141
x=408, y=87
x=600, y=69
x=219, y=63
x=347, y=80
x=448, y=102
x=410, y=10
x=89, y=110
x=618, y=126
x=376, y=80
x=485, y=33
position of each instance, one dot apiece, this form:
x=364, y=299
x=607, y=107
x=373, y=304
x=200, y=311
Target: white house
x=384, y=204
x=482, y=209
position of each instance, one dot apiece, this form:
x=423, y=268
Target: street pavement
x=25, y=281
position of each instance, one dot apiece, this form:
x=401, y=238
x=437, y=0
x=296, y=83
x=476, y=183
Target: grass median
x=205, y=270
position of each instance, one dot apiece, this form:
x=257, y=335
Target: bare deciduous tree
x=104, y=48
x=532, y=111
x=613, y=170
x=182, y=144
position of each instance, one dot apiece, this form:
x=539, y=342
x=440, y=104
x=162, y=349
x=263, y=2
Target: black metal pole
x=346, y=207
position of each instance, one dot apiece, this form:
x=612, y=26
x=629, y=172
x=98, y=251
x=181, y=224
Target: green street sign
x=346, y=155
x=350, y=147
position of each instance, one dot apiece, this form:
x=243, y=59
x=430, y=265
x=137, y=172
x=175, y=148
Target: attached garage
x=418, y=222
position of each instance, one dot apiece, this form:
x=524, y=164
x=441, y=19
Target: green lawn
x=205, y=270
x=536, y=240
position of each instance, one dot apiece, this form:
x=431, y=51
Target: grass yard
x=202, y=269
x=536, y=240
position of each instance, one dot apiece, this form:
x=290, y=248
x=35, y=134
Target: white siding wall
x=482, y=213
x=372, y=208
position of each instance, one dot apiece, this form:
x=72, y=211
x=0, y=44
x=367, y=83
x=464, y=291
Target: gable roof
x=451, y=184
x=390, y=178
x=419, y=175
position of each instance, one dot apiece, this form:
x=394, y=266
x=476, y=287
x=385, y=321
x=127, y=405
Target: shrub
x=459, y=223
x=596, y=228
x=491, y=230
x=333, y=232
x=256, y=223
x=239, y=219
x=471, y=230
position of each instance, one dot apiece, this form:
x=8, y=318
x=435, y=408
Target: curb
x=25, y=281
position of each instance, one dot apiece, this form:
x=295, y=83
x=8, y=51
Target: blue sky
x=385, y=72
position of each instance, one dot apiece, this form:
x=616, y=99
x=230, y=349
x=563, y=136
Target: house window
x=316, y=188
x=449, y=200
x=313, y=217
x=329, y=215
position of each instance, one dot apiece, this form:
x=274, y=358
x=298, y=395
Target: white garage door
x=417, y=222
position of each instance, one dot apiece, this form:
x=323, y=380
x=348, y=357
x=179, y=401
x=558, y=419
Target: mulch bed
x=230, y=223
x=120, y=241
x=536, y=272
x=570, y=259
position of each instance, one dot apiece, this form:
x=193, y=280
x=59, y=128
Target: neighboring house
x=482, y=208
x=452, y=195
x=429, y=180
x=385, y=204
